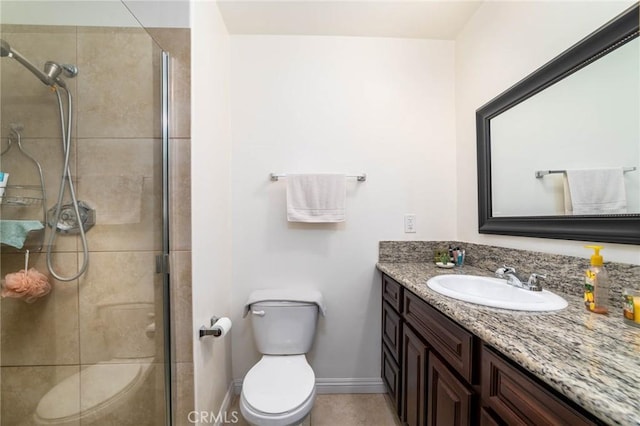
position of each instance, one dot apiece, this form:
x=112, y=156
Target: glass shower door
x=88, y=349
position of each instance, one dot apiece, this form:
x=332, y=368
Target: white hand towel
x=595, y=191
x=316, y=198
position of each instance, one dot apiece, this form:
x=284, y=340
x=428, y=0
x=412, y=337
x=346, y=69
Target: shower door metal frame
x=164, y=256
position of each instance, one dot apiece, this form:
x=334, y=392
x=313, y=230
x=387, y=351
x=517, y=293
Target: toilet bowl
x=278, y=391
x=100, y=389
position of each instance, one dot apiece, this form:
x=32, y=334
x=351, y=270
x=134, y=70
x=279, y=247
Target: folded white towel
x=285, y=294
x=316, y=198
x=595, y=191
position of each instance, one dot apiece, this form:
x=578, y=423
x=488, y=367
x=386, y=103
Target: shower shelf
x=24, y=202
x=22, y=196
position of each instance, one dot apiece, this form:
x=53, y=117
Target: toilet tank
x=283, y=327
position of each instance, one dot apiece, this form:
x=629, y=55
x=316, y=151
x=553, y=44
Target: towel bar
x=360, y=178
x=542, y=173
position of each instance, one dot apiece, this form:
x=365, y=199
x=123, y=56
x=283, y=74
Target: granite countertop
x=592, y=359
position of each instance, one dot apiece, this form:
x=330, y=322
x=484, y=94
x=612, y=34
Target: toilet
x=280, y=389
x=98, y=390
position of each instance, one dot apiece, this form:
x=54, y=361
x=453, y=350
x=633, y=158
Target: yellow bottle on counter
x=596, y=284
x=631, y=308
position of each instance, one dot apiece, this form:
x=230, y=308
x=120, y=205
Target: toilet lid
x=91, y=388
x=277, y=384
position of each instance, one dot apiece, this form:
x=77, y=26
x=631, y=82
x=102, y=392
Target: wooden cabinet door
x=519, y=400
x=450, y=402
x=414, y=376
x=391, y=331
x=391, y=377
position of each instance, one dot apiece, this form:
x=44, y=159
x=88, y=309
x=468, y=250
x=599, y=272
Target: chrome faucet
x=509, y=273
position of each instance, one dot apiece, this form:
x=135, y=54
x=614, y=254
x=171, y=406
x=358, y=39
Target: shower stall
x=84, y=313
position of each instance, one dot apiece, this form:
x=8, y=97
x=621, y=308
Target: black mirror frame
x=623, y=229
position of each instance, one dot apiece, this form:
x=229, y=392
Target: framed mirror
x=558, y=119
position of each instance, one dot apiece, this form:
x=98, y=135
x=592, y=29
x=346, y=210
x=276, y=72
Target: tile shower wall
x=117, y=164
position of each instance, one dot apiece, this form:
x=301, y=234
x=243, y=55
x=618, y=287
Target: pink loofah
x=27, y=284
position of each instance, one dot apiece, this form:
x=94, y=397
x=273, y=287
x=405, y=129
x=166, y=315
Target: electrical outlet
x=409, y=223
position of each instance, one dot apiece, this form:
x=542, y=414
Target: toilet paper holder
x=210, y=331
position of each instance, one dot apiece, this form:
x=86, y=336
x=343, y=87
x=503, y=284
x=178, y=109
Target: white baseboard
x=351, y=385
x=336, y=385
x=225, y=407
x=237, y=386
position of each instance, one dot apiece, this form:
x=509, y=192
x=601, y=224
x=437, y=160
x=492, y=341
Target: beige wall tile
x=115, y=278
x=139, y=407
x=44, y=332
x=181, y=303
x=183, y=402
x=121, y=179
x=180, y=194
x=19, y=401
x=119, y=87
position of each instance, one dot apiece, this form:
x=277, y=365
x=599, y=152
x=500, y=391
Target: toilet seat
x=92, y=392
x=279, y=389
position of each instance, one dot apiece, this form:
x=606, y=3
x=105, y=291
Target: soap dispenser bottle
x=596, y=284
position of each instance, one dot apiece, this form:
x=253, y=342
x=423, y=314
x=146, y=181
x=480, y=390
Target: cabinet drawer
x=453, y=343
x=391, y=376
x=518, y=399
x=391, y=330
x=392, y=292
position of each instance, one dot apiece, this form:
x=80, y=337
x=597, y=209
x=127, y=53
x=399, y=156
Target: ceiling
x=428, y=19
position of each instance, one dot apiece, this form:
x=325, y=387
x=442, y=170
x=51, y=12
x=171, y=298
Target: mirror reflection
x=573, y=148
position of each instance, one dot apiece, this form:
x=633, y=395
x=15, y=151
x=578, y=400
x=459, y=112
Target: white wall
x=337, y=104
x=211, y=201
x=101, y=13
x=502, y=43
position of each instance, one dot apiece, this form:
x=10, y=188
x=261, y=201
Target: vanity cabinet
x=392, y=340
x=432, y=382
x=437, y=373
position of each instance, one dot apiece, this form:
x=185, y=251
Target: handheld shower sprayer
x=52, y=70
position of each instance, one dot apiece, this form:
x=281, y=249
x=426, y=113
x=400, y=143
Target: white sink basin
x=495, y=292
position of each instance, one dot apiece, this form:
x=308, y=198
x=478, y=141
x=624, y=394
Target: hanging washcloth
x=595, y=191
x=15, y=232
x=316, y=198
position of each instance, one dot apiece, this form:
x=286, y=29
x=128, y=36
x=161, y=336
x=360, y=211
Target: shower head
x=52, y=70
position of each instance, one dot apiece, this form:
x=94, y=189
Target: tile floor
x=372, y=409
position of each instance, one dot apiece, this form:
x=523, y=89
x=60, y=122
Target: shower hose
x=66, y=182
